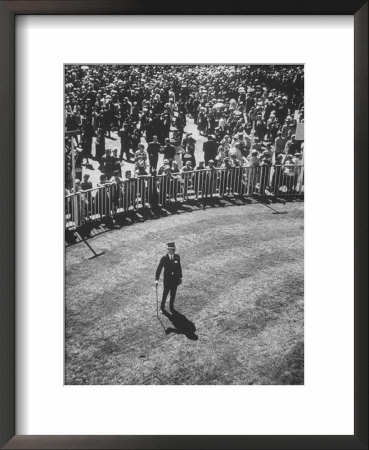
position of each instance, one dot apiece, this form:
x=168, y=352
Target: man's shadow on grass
x=181, y=324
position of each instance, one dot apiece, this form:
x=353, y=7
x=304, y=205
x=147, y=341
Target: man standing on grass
x=172, y=275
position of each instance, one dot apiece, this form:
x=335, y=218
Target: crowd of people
x=249, y=115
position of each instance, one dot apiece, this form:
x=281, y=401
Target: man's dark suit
x=169, y=152
x=172, y=277
x=153, y=151
x=210, y=149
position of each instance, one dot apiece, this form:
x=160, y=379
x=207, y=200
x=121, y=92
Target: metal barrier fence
x=146, y=191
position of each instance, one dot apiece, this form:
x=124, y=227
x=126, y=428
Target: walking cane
x=157, y=310
x=157, y=302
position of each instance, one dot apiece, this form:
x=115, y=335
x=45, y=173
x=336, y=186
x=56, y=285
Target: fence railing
x=147, y=191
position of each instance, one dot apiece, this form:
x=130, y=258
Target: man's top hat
x=171, y=245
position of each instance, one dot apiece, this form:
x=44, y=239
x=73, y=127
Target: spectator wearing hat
x=135, y=112
x=265, y=169
x=226, y=142
x=219, y=134
x=254, y=171
x=281, y=110
x=291, y=127
x=117, y=165
x=237, y=173
x=153, y=150
x=269, y=107
x=180, y=124
x=166, y=165
x=285, y=130
x=125, y=110
x=87, y=133
x=297, y=159
x=220, y=155
x=211, y=179
x=176, y=177
x=273, y=128
x=289, y=174
x=210, y=149
x=227, y=164
x=243, y=144
x=115, y=187
x=211, y=122
x=187, y=177
x=254, y=159
x=195, y=113
x=82, y=203
x=292, y=146
x=225, y=176
x=136, y=137
x=129, y=191
x=140, y=157
x=104, y=117
x=165, y=182
x=260, y=128
x=100, y=145
x=298, y=163
x=178, y=153
x=149, y=130
x=189, y=144
x=86, y=184
x=142, y=183
x=187, y=157
x=279, y=144
x=171, y=263
x=166, y=123
x=169, y=150
x=153, y=193
x=277, y=177
x=125, y=142
x=78, y=160
x=201, y=122
x=108, y=164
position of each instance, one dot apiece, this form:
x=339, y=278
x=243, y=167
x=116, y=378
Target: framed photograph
x=184, y=247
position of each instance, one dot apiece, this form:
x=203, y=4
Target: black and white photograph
x=184, y=224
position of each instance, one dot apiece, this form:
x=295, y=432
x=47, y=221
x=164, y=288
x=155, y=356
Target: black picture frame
x=8, y=11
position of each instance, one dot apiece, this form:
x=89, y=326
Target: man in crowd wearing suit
x=172, y=275
x=125, y=142
x=169, y=150
x=153, y=150
x=210, y=149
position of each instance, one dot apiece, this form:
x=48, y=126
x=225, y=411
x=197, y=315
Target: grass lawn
x=241, y=304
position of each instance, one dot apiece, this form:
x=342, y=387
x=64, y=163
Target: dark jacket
x=169, y=151
x=210, y=149
x=153, y=148
x=172, y=269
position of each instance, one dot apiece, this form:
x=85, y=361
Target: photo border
x=8, y=12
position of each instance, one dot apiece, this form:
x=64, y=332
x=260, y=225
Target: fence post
x=75, y=201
